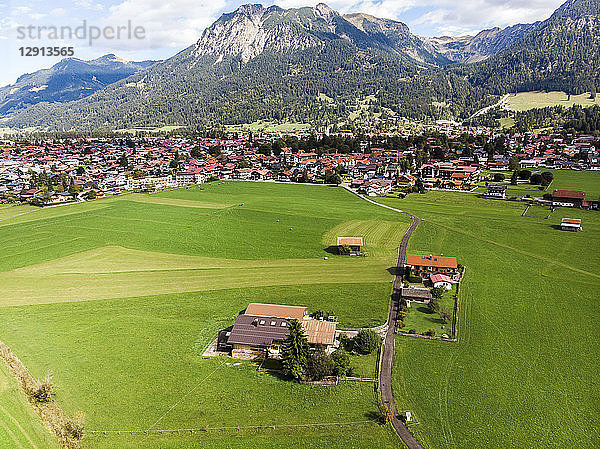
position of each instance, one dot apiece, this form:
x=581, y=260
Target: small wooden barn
x=571, y=224
x=350, y=245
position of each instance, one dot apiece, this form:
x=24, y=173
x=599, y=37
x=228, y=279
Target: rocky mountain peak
x=324, y=11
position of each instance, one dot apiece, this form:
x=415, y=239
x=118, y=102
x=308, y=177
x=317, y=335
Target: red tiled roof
x=431, y=261
x=439, y=278
x=574, y=194
x=571, y=220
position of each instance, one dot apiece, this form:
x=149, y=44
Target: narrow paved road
x=389, y=342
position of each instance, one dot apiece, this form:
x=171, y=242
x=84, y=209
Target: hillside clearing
x=523, y=101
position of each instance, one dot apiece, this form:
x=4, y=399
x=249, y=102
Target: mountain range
x=68, y=80
x=272, y=63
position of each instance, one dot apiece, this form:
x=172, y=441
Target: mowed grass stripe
x=381, y=238
x=155, y=199
x=30, y=289
x=19, y=426
x=40, y=214
x=21, y=431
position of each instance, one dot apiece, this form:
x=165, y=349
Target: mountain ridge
x=67, y=80
x=272, y=63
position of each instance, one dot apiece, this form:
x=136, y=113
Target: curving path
x=389, y=342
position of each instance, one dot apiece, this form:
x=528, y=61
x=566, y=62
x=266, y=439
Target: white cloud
x=87, y=4
x=58, y=12
x=455, y=16
x=478, y=14
x=176, y=23
x=20, y=10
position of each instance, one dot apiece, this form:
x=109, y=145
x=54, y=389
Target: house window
x=273, y=323
x=262, y=322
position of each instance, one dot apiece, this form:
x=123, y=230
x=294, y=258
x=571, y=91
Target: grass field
x=524, y=101
x=119, y=297
x=524, y=372
x=586, y=180
x=420, y=319
x=269, y=127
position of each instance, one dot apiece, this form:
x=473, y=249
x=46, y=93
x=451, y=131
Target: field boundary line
x=11, y=434
x=207, y=429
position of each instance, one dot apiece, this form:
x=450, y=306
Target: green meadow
x=269, y=127
x=588, y=181
x=524, y=101
x=119, y=297
x=524, y=372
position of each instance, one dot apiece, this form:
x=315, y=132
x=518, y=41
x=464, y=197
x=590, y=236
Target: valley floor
x=118, y=298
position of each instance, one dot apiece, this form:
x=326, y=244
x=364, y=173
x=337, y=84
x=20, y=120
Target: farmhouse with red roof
x=420, y=265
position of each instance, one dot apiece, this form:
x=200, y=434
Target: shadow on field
x=374, y=416
x=395, y=271
x=332, y=249
x=555, y=226
x=279, y=375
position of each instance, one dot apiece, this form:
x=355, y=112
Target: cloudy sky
x=171, y=25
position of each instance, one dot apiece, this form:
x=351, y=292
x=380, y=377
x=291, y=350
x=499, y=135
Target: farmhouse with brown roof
x=568, y=198
x=260, y=331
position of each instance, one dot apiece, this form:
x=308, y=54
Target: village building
x=425, y=266
x=189, y=177
x=420, y=295
x=260, y=331
x=568, y=198
x=351, y=246
x=496, y=191
x=571, y=224
x=441, y=281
